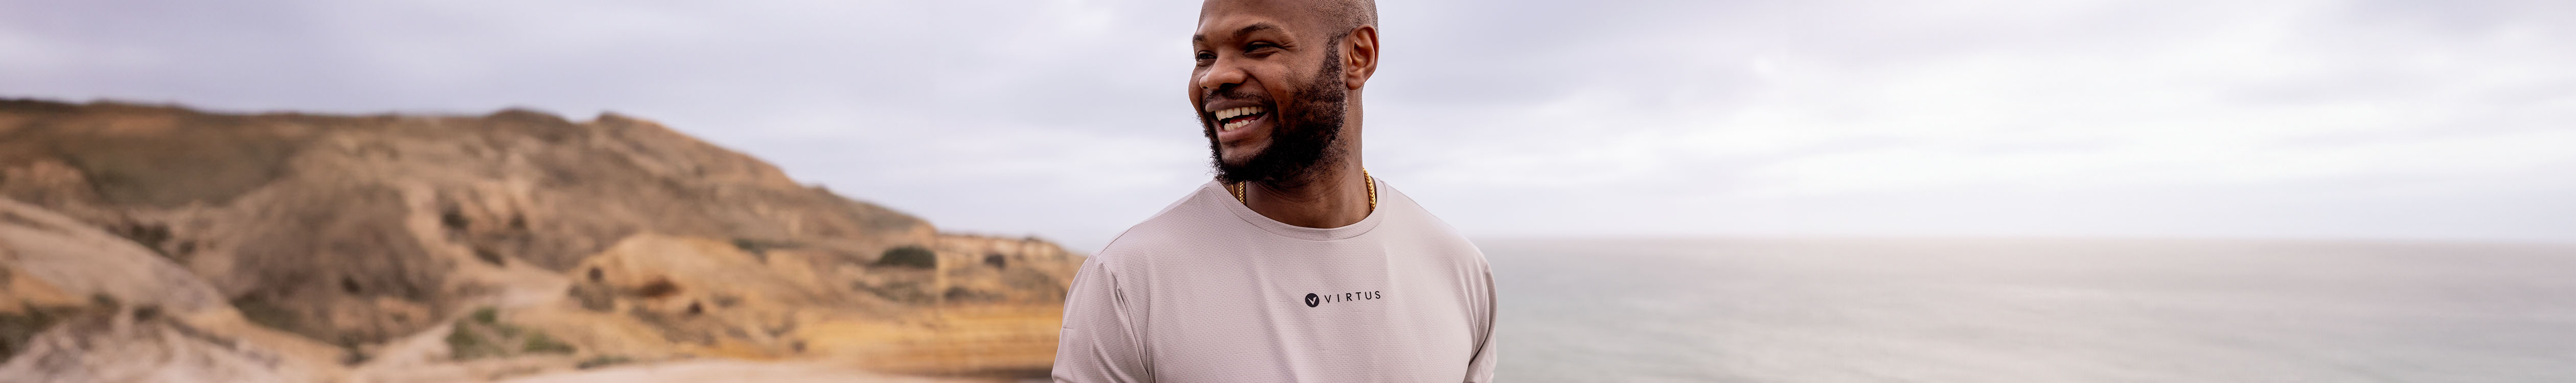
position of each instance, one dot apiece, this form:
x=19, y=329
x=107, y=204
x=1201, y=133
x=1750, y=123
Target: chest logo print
x=1313, y=300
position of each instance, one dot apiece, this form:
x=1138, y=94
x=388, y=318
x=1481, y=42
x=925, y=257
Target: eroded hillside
x=432, y=248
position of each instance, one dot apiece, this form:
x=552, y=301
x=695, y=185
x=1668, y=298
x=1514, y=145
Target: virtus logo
x=1313, y=300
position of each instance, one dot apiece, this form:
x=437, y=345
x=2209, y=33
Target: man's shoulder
x=1417, y=217
x=1429, y=233
x=1166, y=231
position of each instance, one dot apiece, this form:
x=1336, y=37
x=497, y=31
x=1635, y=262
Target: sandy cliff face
x=509, y=243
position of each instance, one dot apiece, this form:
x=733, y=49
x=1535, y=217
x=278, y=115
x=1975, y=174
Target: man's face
x=1268, y=91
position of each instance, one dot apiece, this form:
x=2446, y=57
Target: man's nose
x=1221, y=74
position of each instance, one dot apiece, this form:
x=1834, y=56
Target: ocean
x=1997, y=310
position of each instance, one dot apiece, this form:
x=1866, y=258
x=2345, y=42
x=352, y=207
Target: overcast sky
x=2448, y=120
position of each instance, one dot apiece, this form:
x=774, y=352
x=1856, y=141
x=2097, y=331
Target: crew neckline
x=1216, y=191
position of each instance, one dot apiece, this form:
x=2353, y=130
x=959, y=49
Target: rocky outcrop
x=111, y=311
x=385, y=237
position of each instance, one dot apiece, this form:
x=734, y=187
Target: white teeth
x=1222, y=115
x=1233, y=112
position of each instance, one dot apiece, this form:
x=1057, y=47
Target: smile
x=1230, y=119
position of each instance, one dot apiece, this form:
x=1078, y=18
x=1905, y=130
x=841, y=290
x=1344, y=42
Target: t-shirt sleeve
x=1098, y=342
x=1480, y=369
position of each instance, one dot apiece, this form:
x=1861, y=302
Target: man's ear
x=1359, y=56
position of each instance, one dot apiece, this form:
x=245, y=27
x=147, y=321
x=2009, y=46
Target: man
x=1294, y=264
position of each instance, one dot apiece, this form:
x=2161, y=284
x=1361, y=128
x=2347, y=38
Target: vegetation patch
x=263, y=313
x=538, y=343
x=464, y=343
x=603, y=361
x=482, y=335
x=960, y=294
x=761, y=247
x=909, y=256
x=16, y=328
x=898, y=291
x=486, y=315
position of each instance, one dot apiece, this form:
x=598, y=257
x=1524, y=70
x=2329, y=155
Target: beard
x=1302, y=141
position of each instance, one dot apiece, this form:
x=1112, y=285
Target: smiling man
x=1294, y=264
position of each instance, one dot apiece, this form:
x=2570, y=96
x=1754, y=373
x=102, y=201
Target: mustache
x=1213, y=96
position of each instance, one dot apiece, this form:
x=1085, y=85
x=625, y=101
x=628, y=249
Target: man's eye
x=1260, y=49
x=1206, y=57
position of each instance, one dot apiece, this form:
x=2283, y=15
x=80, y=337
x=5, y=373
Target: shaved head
x=1338, y=16
x=1347, y=15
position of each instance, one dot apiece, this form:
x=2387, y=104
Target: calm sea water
x=2033, y=311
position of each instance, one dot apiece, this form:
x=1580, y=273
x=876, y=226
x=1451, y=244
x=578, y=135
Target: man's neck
x=1337, y=197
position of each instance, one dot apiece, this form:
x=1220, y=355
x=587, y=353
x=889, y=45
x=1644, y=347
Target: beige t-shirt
x=1210, y=291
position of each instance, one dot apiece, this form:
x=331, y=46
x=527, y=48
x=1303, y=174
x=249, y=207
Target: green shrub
x=487, y=315
x=909, y=256
x=480, y=335
x=603, y=361
x=463, y=344
x=538, y=342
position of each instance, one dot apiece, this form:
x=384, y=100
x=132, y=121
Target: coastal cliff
x=395, y=248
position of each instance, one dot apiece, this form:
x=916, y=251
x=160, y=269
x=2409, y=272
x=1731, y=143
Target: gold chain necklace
x=1238, y=188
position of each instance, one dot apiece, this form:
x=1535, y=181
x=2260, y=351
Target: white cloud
x=1064, y=117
